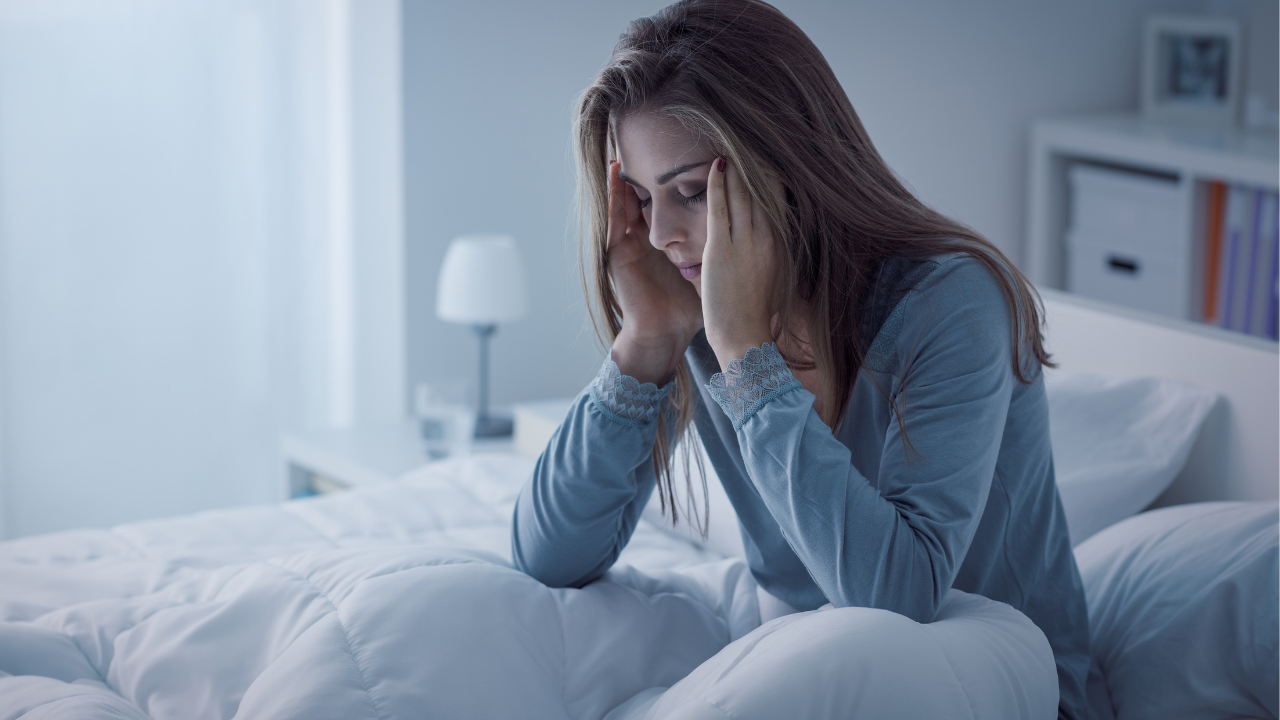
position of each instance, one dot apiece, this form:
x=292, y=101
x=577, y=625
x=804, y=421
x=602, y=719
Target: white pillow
x=1118, y=442
x=1184, y=611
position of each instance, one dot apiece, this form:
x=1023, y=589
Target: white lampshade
x=481, y=281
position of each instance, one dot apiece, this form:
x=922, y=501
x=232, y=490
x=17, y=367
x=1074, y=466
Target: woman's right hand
x=661, y=311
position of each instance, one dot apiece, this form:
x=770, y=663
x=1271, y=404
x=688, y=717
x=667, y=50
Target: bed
x=398, y=600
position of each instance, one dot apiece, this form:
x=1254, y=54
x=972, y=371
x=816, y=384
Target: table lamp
x=481, y=285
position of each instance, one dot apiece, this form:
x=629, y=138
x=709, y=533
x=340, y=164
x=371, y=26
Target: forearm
x=860, y=548
x=589, y=487
x=897, y=544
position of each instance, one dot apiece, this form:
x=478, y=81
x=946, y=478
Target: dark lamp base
x=491, y=426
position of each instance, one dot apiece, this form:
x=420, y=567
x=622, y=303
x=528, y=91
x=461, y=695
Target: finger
x=717, y=204
x=617, y=206
x=740, y=203
x=633, y=206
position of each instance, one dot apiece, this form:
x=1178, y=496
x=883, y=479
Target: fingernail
x=720, y=164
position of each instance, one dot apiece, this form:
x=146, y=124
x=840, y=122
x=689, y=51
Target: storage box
x=1128, y=207
x=1125, y=243
x=1136, y=277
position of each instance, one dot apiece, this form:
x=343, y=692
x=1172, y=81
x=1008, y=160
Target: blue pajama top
x=854, y=517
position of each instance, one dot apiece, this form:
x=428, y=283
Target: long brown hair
x=742, y=75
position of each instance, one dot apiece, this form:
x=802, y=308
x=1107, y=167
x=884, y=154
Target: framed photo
x=1191, y=69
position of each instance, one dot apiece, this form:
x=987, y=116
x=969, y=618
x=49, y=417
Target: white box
x=1126, y=243
x=1137, y=277
x=1130, y=208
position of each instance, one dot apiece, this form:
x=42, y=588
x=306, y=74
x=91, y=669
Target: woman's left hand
x=739, y=265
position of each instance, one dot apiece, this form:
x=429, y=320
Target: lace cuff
x=624, y=399
x=750, y=383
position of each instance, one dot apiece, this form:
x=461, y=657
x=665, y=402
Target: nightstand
x=326, y=460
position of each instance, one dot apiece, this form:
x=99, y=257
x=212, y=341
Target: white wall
x=946, y=89
x=489, y=91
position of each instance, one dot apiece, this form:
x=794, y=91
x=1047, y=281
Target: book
x=1232, y=231
x=1248, y=262
x=1213, y=249
x=1259, y=294
x=1273, y=305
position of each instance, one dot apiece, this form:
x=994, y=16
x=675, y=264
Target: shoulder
x=900, y=282
x=959, y=281
x=950, y=300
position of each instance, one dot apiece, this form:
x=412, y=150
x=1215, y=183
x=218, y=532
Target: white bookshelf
x=1193, y=156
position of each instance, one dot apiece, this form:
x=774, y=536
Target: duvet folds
x=399, y=601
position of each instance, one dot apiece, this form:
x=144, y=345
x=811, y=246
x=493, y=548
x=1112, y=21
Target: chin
x=697, y=285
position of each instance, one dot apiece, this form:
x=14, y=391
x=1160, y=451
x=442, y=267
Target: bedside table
x=318, y=461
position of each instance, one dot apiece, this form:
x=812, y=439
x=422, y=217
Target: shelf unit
x=1192, y=155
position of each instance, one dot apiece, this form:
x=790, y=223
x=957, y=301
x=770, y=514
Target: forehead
x=650, y=144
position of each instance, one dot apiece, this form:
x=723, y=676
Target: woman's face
x=668, y=167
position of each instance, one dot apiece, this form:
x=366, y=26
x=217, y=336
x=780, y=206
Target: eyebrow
x=668, y=176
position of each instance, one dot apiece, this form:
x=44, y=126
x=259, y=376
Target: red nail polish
x=720, y=164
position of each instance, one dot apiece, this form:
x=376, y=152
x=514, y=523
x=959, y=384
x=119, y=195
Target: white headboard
x=1237, y=456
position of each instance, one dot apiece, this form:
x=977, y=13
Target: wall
x=946, y=90
x=489, y=90
x=1259, y=20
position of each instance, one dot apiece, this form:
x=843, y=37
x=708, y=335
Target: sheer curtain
x=200, y=246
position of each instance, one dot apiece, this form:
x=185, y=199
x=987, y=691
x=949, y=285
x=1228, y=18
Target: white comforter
x=398, y=601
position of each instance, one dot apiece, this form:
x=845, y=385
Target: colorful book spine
x=1273, y=285
x=1247, y=269
x=1213, y=250
x=1230, y=254
x=1242, y=259
x=1260, y=273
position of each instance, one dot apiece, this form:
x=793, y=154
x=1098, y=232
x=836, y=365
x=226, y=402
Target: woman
x=864, y=373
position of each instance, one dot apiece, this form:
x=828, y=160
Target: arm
x=578, y=510
x=589, y=487
x=897, y=545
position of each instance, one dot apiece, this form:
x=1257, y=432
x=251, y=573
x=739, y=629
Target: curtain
x=200, y=247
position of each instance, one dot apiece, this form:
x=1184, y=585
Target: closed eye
x=691, y=199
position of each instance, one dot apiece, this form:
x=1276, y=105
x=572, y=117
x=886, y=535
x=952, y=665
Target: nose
x=665, y=228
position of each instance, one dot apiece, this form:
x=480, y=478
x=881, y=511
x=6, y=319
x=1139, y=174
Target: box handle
x=1123, y=264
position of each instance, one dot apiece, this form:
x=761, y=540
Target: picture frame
x=1191, y=68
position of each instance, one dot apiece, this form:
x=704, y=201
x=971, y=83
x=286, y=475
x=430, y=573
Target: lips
x=690, y=270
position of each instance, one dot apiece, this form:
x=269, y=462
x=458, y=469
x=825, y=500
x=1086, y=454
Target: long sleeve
x=898, y=544
x=589, y=487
